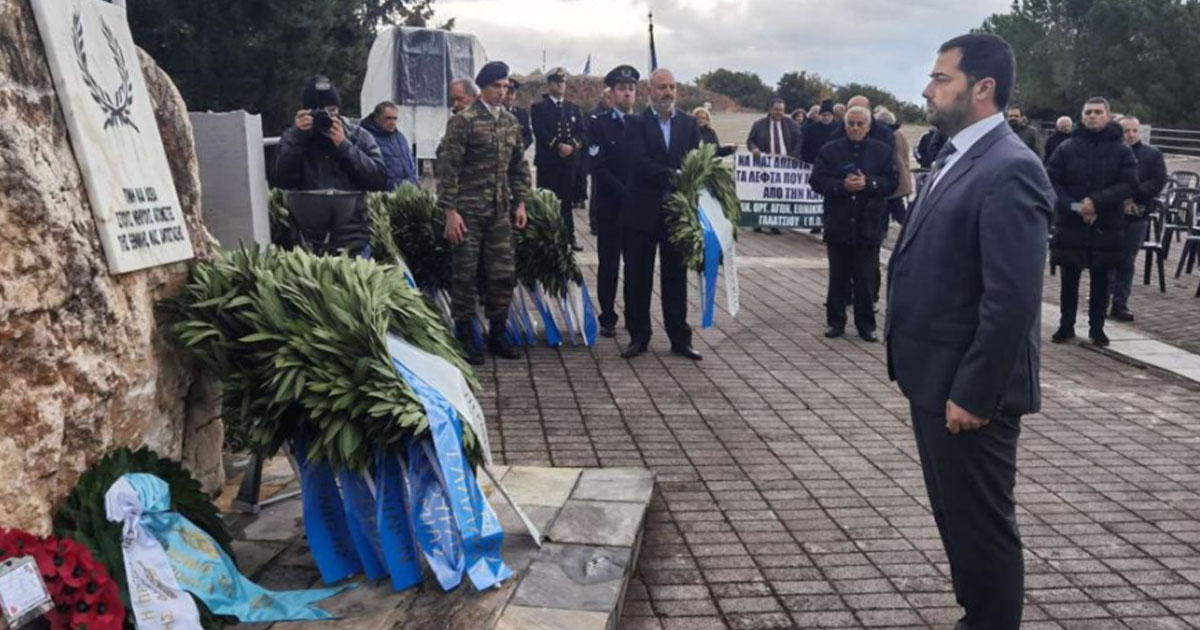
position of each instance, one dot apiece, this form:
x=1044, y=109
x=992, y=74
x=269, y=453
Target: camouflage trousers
x=483, y=263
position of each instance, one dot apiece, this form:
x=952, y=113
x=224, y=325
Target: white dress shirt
x=964, y=140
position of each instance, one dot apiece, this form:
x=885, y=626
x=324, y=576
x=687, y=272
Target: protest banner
x=775, y=193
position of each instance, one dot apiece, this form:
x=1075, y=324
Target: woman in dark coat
x=1093, y=174
x=708, y=135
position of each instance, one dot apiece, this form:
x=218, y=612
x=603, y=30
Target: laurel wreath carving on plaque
x=117, y=105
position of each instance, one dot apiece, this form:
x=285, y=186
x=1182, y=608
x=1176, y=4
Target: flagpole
x=653, y=53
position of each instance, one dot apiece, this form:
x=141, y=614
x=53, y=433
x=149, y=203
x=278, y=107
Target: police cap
x=621, y=74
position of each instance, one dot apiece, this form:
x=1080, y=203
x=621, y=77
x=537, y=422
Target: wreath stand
x=249, y=497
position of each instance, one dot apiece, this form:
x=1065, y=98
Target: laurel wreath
x=701, y=170
x=116, y=106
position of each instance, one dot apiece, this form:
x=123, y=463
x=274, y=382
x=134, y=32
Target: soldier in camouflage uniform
x=482, y=175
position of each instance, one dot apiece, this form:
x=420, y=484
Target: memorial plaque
x=113, y=133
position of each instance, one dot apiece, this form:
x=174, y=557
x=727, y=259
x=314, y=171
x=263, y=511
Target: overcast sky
x=888, y=43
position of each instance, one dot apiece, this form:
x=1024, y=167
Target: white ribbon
x=159, y=603
x=724, y=229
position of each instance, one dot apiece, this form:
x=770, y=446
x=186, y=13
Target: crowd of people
x=990, y=200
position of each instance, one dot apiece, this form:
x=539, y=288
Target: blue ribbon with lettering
x=477, y=527
x=433, y=523
x=395, y=526
x=712, y=262
x=204, y=569
x=553, y=336
x=324, y=519
x=364, y=527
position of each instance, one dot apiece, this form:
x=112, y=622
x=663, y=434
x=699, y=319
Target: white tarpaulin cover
x=413, y=67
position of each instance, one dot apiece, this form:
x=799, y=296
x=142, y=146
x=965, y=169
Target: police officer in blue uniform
x=560, y=131
x=510, y=103
x=611, y=164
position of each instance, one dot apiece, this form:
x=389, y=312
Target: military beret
x=621, y=74
x=826, y=106
x=557, y=74
x=491, y=72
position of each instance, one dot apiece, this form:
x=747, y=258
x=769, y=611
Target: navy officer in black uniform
x=510, y=103
x=561, y=133
x=610, y=159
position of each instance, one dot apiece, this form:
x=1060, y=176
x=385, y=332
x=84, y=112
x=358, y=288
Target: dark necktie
x=943, y=156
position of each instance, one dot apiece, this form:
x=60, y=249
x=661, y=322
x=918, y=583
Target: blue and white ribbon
x=166, y=554
x=458, y=501
x=719, y=246
x=325, y=523
x=554, y=338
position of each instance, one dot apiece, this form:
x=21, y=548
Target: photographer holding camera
x=324, y=151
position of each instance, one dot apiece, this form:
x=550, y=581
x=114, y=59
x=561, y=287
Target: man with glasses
x=397, y=157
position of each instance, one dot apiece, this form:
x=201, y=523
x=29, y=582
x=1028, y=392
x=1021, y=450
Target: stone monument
x=84, y=366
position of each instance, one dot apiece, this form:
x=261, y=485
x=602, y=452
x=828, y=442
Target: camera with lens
x=322, y=120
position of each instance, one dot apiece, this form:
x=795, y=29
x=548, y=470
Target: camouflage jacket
x=481, y=162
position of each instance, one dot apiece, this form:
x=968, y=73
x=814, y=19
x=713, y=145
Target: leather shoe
x=1063, y=335
x=608, y=332
x=1122, y=314
x=833, y=332
x=868, y=336
x=633, y=349
x=687, y=352
x=1098, y=337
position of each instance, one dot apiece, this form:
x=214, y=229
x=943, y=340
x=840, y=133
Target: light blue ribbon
x=477, y=527
x=712, y=262
x=204, y=570
x=324, y=519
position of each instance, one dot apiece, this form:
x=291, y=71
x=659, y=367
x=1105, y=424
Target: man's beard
x=952, y=119
x=663, y=107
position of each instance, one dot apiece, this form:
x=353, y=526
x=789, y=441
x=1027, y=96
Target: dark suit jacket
x=760, y=136
x=611, y=163
x=526, y=130
x=654, y=166
x=553, y=126
x=965, y=284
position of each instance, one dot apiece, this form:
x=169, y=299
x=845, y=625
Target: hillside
x=586, y=92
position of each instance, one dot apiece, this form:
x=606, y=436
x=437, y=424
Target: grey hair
x=886, y=117
x=1132, y=119
x=468, y=86
x=1062, y=119
x=661, y=71
x=858, y=109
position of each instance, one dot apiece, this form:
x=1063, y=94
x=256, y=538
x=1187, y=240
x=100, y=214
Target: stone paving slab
x=592, y=522
x=789, y=493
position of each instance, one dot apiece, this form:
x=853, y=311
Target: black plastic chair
x=1177, y=216
x=1191, y=243
x=1186, y=179
x=1152, y=245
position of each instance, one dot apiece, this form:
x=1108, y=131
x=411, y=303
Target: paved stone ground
x=789, y=491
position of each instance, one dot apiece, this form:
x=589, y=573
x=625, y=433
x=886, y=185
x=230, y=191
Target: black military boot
x=462, y=330
x=498, y=345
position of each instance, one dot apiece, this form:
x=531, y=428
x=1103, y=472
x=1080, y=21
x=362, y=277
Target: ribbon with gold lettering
x=167, y=553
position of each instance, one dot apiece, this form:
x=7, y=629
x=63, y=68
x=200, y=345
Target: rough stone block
x=574, y=577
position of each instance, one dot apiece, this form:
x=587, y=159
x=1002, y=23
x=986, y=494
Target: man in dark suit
x=658, y=142
x=776, y=133
x=510, y=103
x=964, y=322
x=610, y=159
x=561, y=133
